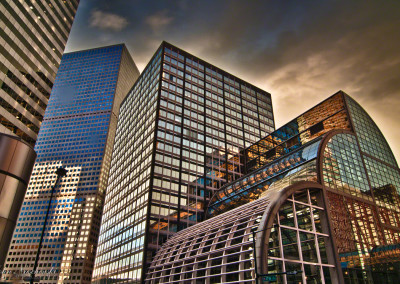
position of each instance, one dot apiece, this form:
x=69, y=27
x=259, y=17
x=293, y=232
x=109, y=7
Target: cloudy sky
x=299, y=51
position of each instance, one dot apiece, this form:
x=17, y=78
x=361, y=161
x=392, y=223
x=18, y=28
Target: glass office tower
x=180, y=136
x=77, y=133
x=33, y=37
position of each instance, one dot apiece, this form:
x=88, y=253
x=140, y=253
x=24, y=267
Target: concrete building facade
x=33, y=37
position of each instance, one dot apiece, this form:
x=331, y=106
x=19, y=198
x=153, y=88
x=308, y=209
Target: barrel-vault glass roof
x=291, y=234
x=337, y=146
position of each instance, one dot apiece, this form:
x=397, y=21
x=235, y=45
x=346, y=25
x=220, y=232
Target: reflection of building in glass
x=33, y=38
x=322, y=192
x=179, y=131
x=77, y=133
x=328, y=115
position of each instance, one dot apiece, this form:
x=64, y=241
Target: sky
x=299, y=51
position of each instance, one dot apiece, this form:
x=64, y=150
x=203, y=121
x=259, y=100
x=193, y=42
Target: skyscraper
x=77, y=133
x=180, y=136
x=33, y=37
x=321, y=204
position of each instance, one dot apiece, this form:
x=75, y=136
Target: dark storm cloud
x=300, y=51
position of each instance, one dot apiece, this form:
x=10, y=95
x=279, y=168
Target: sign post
x=269, y=278
x=272, y=276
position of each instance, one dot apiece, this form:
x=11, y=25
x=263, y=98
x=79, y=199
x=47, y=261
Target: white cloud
x=158, y=20
x=107, y=21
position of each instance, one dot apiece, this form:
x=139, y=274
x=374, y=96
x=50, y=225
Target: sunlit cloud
x=107, y=21
x=159, y=20
x=300, y=53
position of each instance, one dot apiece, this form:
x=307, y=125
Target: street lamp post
x=61, y=172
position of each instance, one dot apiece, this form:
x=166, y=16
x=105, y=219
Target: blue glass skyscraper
x=77, y=133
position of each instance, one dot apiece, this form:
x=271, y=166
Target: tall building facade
x=321, y=204
x=33, y=37
x=181, y=134
x=77, y=133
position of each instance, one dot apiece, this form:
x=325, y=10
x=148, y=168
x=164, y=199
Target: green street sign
x=269, y=278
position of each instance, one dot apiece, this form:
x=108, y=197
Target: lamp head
x=61, y=172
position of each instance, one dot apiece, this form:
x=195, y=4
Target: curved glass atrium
x=321, y=195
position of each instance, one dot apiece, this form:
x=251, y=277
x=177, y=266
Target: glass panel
x=322, y=249
x=317, y=219
x=343, y=167
x=301, y=196
x=327, y=274
x=286, y=216
x=370, y=137
x=314, y=198
x=289, y=242
x=304, y=217
x=308, y=249
x=273, y=244
x=313, y=273
x=275, y=266
x=294, y=278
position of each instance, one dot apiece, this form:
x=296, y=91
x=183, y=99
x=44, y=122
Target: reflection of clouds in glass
x=65, y=95
x=370, y=137
x=381, y=175
x=342, y=165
